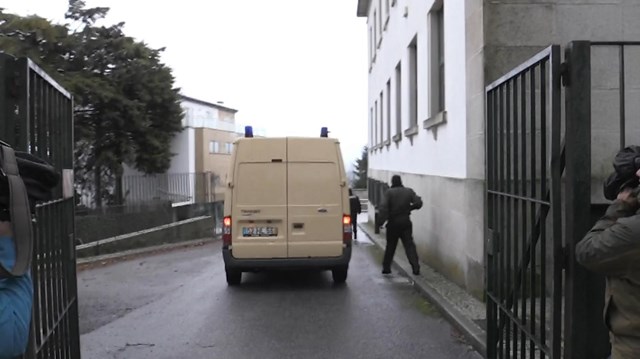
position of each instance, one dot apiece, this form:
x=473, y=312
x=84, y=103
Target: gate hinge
x=564, y=74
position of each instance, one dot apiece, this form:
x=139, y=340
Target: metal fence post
x=584, y=332
x=5, y=125
x=9, y=101
x=37, y=117
x=20, y=109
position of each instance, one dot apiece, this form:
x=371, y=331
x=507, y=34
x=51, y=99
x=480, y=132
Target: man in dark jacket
x=356, y=209
x=612, y=247
x=396, y=209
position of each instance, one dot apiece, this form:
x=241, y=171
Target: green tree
x=360, y=169
x=36, y=38
x=126, y=107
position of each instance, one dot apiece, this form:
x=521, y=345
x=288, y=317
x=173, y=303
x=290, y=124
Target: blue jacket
x=16, y=299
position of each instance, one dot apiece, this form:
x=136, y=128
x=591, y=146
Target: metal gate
x=524, y=210
x=540, y=302
x=37, y=117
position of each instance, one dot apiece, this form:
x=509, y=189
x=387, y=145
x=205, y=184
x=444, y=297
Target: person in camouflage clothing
x=612, y=247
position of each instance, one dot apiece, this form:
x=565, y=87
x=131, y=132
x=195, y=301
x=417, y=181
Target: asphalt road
x=177, y=305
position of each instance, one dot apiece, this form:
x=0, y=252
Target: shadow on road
x=297, y=280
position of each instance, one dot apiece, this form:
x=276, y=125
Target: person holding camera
x=612, y=247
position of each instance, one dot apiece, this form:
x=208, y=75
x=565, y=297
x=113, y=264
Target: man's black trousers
x=354, y=226
x=404, y=232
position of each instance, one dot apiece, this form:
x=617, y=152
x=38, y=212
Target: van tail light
x=226, y=230
x=346, y=228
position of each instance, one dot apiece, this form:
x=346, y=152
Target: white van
x=286, y=206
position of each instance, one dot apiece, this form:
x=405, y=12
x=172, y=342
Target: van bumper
x=285, y=263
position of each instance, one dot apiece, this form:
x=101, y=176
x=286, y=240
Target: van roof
x=240, y=139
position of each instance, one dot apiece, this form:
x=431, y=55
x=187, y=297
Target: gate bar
x=582, y=301
x=505, y=283
x=557, y=166
x=532, y=62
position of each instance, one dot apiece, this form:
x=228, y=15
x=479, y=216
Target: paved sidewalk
x=463, y=310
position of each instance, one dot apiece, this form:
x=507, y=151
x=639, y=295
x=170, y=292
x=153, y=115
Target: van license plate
x=259, y=231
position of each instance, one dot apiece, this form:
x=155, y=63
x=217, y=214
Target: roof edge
x=206, y=103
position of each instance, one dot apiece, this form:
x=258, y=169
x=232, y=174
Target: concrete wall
x=606, y=109
x=515, y=30
x=475, y=94
x=218, y=162
x=112, y=222
x=447, y=230
x=195, y=228
x=92, y=227
x=182, y=146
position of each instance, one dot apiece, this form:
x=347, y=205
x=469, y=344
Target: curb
x=87, y=261
x=475, y=334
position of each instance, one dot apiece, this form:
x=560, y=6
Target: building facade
x=205, y=144
x=202, y=154
x=429, y=62
x=209, y=132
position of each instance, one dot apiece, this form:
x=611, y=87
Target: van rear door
x=314, y=198
x=259, y=216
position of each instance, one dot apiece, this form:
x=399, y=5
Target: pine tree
x=361, y=166
x=126, y=107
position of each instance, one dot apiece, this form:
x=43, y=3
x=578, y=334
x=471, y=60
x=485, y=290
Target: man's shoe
x=416, y=272
x=386, y=271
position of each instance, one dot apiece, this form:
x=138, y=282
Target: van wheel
x=233, y=276
x=339, y=274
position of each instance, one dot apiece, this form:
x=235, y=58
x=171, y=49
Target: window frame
x=381, y=99
x=371, y=130
x=375, y=121
x=388, y=112
x=379, y=24
x=437, y=66
x=398, y=95
x=387, y=13
x=412, y=87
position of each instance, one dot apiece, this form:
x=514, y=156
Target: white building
x=429, y=62
x=201, y=157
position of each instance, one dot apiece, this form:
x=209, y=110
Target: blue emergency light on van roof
x=248, y=131
x=324, y=132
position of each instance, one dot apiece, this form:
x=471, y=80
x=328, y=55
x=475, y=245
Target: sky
x=288, y=66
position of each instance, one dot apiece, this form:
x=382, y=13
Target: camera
x=626, y=163
x=39, y=178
